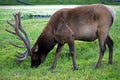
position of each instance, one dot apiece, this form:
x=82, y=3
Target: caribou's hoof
x=110, y=62
x=51, y=69
x=75, y=68
x=96, y=67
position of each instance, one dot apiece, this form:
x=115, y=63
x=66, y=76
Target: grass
x=87, y=54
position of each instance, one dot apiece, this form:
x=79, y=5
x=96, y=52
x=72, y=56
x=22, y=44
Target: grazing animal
x=85, y=23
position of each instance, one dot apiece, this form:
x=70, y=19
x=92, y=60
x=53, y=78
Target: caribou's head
x=37, y=57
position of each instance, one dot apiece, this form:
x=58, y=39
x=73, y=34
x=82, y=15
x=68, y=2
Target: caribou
x=84, y=23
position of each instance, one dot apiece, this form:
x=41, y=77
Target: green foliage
x=51, y=2
x=9, y=2
x=64, y=1
x=87, y=54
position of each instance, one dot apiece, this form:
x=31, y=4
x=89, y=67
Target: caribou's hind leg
x=102, y=43
x=110, y=44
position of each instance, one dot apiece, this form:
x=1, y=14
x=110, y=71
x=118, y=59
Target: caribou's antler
x=21, y=34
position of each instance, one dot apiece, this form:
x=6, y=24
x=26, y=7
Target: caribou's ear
x=36, y=48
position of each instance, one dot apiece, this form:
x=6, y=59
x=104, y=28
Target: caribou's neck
x=45, y=42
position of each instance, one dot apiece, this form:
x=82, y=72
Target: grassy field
x=87, y=53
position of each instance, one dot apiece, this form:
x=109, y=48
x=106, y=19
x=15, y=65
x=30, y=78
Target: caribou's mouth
x=35, y=63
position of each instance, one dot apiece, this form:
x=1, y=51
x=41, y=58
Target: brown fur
x=86, y=23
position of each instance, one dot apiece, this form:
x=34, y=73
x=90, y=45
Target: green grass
x=87, y=54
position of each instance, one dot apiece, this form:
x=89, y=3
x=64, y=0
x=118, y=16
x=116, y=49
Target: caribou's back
x=83, y=21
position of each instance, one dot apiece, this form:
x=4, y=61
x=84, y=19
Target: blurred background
x=57, y=2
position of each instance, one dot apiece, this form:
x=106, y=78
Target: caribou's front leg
x=59, y=48
x=72, y=51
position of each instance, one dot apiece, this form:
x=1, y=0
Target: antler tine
x=10, y=31
x=19, y=19
x=22, y=57
x=17, y=45
x=11, y=24
x=16, y=20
